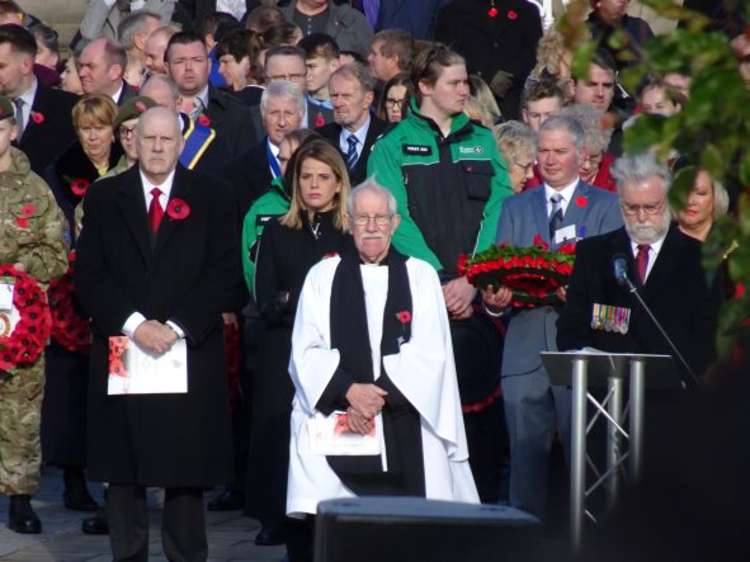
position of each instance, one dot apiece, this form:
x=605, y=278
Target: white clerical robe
x=423, y=370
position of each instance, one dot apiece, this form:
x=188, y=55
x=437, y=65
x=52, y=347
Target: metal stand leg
x=614, y=408
x=637, y=415
x=578, y=453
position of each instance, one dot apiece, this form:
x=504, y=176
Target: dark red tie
x=641, y=261
x=155, y=212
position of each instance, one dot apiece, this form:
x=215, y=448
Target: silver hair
x=285, y=90
x=371, y=186
x=166, y=81
x=515, y=139
x=160, y=111
x=132, y=24
x=565, y=123
x=595, y=138
x=358, y=72
x=637, y=168
x=721, y=199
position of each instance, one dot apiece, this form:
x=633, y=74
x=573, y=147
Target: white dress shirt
x=566, y=192
x=136, y=318
x=28, y=101
x=118, y=93
x=652, y=253
x=361, y=135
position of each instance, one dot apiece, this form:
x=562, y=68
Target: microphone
x=620, y=268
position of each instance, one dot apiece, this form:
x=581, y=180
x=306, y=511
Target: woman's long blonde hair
x=322, y=151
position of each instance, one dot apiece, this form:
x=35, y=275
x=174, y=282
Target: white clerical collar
x=165, y=187
x=360, y=133
x=116, y=96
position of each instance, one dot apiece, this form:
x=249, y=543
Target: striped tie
x=351, y=154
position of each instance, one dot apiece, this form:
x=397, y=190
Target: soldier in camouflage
x=34, y=245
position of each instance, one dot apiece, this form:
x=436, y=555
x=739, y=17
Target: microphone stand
x=634, y=290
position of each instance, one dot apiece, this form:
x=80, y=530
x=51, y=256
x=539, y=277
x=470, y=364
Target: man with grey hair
x=177, y=270
x=101, y=67
x=352, y=91
x=662, y=262
x=282, y=107
x=132, y=32
x=564, y=210
x=399, y=405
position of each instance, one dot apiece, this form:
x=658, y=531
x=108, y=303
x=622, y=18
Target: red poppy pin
x=582, y=201
x=203, y=120
x=37, y=117
x=319, y=120
x=492, y=12
x=28, y=210
x=177, y=209
x=404, y=316
x=22, y=222
x=512, y=15
x=739, y=291
x=80, y=186
x=539, y=241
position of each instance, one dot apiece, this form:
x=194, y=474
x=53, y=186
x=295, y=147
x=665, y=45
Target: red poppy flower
x=28, y=210
x=739, y=291
x=319, y=120
x=178, y=209
x=512, y=15
x=204, y=120
x=404, y=316
x=492, y=12
x=582, y=201
x=80, y=186
x=37, y=117
x=22, y=222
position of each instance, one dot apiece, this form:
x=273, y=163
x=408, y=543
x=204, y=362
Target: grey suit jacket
x=101, y=20
x=593, y=211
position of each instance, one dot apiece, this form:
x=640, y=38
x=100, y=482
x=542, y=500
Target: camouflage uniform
x=37, y=243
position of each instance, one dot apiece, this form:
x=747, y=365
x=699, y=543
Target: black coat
x=331, y=133
x=127, y=93
x=250, y=176
x=676, y=290
x=232, y=122
x=285, y=256
x=506, y=42
x=190, y=275
x=43, y=142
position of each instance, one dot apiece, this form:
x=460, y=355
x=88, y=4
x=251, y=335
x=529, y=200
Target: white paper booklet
x=330, y=435
x=132, y=370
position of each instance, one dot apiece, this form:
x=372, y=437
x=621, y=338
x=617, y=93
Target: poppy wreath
x=533, y=273
x=24, y=345
x=70, y=329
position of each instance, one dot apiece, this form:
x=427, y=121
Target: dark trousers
x=183, y=526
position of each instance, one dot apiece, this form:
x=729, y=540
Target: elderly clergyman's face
x=372, y=226
x=645, y=210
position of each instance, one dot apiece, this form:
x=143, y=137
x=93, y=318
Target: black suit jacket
x=44, y=141
x=127, y=93
x=232, y=122
x=190, y=273
x=676, y=291
x=377, y=127
x=250, y=176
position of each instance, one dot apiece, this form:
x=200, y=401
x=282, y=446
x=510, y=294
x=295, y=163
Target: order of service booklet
x=133, y=370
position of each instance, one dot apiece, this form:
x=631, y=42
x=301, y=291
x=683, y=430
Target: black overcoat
x=189, y=274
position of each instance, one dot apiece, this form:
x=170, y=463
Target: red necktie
x=155, y=212
x=641, y=261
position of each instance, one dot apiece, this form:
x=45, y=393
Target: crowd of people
x=307, y=175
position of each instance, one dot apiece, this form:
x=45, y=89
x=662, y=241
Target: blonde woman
x=289, y=247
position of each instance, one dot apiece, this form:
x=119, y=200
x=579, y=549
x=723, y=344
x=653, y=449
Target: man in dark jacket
x=177, y=268
x=609, y=16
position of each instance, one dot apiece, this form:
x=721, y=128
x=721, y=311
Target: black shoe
x=79, y=501
x=228, y=500
x=96, y=525
x=21, y=516
x=270, y=536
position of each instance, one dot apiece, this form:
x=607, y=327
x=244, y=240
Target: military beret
x=132, y=109
x=7, y=109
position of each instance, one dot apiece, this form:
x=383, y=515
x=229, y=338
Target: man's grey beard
x=648, y=234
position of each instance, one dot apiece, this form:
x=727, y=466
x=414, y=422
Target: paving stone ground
x=230, y=535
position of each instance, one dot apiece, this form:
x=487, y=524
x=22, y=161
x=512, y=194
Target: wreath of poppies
x=69, y=328
x=533, y=273
x=23, y=346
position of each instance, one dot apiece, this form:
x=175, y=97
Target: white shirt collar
x=29, y=95
x=165, y=187
x=360, y=133
x=116, y=95
x=566, y=192
x=655, y=248
x=274, y=149
x=203, y=96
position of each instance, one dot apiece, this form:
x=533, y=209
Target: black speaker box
x=405, y=529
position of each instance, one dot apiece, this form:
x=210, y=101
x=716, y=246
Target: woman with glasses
x=289, y=247
x=395, y=99
x=517, y=144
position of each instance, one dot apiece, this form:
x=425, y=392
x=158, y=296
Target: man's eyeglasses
x=650, y=209
x=364, y=220
x=289, y=77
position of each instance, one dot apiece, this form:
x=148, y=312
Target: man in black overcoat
x=157, y=267
x=45, y=123
x=668, y=274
